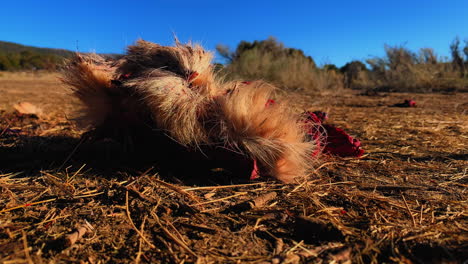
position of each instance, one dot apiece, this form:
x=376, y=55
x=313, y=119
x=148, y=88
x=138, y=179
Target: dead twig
x=27, y=204
x=175, y=188
x=222, y=186
x=409, y=211
x=26, y=248
x=393, y=187
x=200, y=228
x=221, y=199
x=142, y=229
x=178, y=241
x=248, y=205
x=133, y=225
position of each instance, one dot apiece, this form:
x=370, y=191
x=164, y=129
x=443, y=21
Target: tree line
x=15, y=57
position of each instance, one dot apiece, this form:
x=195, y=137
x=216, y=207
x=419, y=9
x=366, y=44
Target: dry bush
x=285, y=67
x=328, y=80
x=402, y=70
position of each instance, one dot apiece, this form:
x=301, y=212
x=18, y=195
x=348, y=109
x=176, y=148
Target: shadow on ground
x=108, y=158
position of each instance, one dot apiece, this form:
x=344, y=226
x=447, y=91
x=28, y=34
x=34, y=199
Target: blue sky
x=330, y=31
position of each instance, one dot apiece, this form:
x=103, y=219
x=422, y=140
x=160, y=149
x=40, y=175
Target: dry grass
x=66, y=201
x=39, y=88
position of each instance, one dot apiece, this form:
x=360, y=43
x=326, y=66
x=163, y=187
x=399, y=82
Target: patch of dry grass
x=405, y=201
x=39, y=88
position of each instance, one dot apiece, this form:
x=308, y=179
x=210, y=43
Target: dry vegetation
x=270, y=60
x=404, y=70
x=66, y=201
x=399, y=70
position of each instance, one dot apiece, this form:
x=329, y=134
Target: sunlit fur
x=181, y=61
x=89, y=77
x=269, y=133
x=176, y=86
x=162, y=76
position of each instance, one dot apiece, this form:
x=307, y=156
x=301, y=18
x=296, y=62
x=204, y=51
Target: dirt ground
x=64, y=200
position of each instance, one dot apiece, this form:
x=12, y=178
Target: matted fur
x=176, y=86
x=268, y=133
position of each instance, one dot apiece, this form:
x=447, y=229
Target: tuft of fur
x=111, y=110
x=176, y=83
x=268, y=133
x=181, y=60
x=174, y=89
x=89, y=77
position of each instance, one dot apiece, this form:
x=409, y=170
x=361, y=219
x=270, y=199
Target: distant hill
x=10, y=47
x=17, y=57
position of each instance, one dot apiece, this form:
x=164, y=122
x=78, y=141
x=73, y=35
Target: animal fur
x=174, y=89
x=268, y=133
